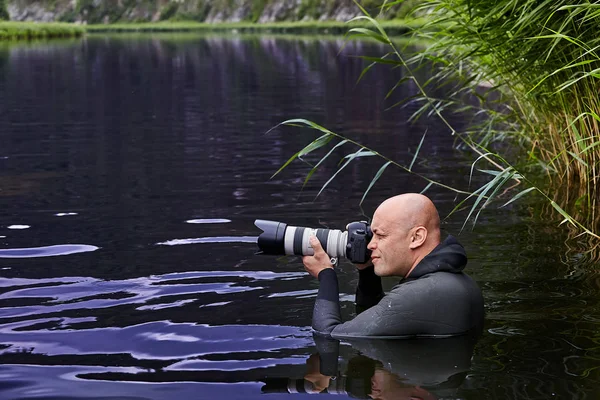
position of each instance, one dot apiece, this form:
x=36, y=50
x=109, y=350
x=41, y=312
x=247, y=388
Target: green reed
x=542, y=57
x=532, y=68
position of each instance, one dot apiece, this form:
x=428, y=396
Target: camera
x=279, y=238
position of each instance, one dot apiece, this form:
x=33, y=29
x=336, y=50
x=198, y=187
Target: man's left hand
x=317, y=262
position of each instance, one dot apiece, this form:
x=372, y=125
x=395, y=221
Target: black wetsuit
x=436, y=300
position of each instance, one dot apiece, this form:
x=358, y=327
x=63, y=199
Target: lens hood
x=271, y=241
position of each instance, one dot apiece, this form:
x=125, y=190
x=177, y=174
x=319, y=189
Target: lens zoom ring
x=322, y=235
x=298, y=235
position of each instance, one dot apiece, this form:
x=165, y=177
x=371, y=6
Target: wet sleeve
x=326, y=313
x=384, y=319
x=369, y=290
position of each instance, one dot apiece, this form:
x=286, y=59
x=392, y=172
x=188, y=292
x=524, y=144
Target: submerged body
x=434, y=297
x=437, y=300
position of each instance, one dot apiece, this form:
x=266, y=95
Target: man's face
x=391, y=254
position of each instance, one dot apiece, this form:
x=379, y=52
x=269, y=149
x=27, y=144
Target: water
x=132, y=169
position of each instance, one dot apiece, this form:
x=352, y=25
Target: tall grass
x=533, y=67
x=543, y=57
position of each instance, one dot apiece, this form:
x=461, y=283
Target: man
x=434, y=298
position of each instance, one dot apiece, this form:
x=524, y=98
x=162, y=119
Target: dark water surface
x=131, y=172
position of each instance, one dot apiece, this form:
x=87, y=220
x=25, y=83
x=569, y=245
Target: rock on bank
x=110, y=11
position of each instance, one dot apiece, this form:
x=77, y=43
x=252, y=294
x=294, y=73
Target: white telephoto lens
x=297, y=241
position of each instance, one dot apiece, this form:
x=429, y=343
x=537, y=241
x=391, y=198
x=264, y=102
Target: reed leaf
x=518, y=196
x=315, y=144
x=361, y=153
x=498, y=181
x=346, y=163
x=364, y=32
x=417, y=152
x=426, y=188
x=314, y=169
x=288, y=162
x=374, y=180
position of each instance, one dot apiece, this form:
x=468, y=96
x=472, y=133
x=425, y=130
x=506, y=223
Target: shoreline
x=11, y=30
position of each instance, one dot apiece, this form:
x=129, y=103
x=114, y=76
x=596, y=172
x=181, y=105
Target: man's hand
x=317, y=262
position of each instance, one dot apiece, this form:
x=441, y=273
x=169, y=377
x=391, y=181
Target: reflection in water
x=384, y=369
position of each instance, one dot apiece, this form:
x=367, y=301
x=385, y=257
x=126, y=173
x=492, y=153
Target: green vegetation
x=29, y=30
x=309, y=8
x=169, y=11
x=541, y=56
x=533, y=69
x=258, y=7
x=393, y=26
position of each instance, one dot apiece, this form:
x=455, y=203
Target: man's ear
x=418, y=237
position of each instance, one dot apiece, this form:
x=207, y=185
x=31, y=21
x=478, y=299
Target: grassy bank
x=29, y=30
x=33, y=30
x=394, y=27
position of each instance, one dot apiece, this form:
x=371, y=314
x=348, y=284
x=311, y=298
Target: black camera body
x=359, y=236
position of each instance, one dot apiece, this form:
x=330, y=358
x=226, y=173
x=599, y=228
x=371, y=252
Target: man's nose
x=371, y=245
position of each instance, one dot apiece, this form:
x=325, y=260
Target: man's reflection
x=317, y=382
x=385, y=385
x=422, y=369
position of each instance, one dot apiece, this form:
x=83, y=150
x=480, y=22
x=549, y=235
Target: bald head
x=405, y=229
x=411, y=210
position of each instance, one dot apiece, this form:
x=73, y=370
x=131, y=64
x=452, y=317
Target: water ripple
x=213, y=239
x=158, y=340
x=47, y=251
x=208, y=221
x=233, y=365
x=58, y=295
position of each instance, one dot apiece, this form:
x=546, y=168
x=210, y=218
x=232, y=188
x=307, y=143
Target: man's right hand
x=317, y=262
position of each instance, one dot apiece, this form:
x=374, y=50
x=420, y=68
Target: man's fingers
x=315, y=244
